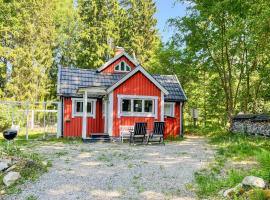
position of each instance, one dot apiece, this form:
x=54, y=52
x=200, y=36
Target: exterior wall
x=110, y=68
x=73, y=126
x=172, y=124
x=138, y=84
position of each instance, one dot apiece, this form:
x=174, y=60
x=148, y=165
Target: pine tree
x=98, y=24
x=138, y=31
x=27, y=38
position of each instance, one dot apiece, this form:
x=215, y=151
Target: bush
x=5, y=118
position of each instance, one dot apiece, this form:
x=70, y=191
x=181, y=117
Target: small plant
x=61, y=153
x=31, y=197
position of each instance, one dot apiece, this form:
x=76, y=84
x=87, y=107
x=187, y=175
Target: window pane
x=126, y=105
x=137, y=107
x=148, y=106
x=89, y=107
x=79, y=106
x=117, y=67
x=122, y=66
x=127, y=68
x=167, y=109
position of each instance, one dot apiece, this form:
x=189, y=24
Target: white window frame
x=119, y=70
x=93, y=107
x=137, y=114
x=172, y=104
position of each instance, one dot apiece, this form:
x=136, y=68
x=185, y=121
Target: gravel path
x=119, y=171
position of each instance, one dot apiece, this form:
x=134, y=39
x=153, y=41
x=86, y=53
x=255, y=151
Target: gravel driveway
x=119, y=171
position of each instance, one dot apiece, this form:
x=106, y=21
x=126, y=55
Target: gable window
x=144, y=106
x=122, y=67
x=77, y=107
x=169, y=109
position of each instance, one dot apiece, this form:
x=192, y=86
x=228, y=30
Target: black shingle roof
x=71, y=79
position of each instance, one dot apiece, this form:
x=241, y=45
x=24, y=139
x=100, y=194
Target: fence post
x=33, y=119
x=26, y=128
x=44, y=120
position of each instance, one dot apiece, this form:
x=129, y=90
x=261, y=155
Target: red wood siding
x=172, y=124
x=110, y=68
x=73, y=126
x=138, y=84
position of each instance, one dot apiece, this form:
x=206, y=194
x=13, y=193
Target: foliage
x=27, y=37
x=223, y=52
x=5, y=119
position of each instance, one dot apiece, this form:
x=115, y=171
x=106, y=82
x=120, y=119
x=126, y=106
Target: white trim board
x=105, y=65
x=137, y=114
x=134, y=71
x=93, y=102
x=110, y=114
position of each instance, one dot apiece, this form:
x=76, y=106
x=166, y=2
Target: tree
x=98, y=25
x=27, y=38
x=230, y=42
x=138, y=33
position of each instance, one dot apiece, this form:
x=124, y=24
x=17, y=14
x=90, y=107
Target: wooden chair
x=138, y=134
x=158, y=133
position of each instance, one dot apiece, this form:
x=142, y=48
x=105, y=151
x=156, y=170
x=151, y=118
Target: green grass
x=232, y=147
x=29, y=165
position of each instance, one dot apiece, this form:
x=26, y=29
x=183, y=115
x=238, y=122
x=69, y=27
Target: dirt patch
x=119, y=171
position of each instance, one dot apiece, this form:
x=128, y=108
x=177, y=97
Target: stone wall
x=251, y=124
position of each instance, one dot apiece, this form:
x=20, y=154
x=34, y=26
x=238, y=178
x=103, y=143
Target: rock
x=2, y=192
x=3, y=166
x=254, y=181
x=11, y=178
x=235, y=190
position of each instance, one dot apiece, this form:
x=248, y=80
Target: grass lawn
x=237, y=156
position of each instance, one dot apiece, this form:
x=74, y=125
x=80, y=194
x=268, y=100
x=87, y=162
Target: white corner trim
x=84, y=121
x=105, y=65
x=162, y=107
x=134, y=71
x=110, y=114
x=137, y=114
x=93, y=102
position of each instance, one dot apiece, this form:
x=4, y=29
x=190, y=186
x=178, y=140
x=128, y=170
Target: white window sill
x=134, y=114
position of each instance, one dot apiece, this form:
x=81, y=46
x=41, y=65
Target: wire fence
x=31, y=119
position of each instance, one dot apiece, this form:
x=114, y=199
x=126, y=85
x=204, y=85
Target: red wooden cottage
x=115, y=96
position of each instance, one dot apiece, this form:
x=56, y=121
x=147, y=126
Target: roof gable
x=145, y=73
x=112, y=60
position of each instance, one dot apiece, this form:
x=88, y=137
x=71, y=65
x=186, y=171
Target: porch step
x=98, y=138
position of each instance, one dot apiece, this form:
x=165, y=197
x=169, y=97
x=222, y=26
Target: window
x=122, y=67
x=126, y=105
x=137, y=105
x=169, y=109
x=143, y=106
x=148, y=106
x=77, y=107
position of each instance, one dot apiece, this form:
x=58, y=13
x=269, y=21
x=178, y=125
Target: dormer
x=120, y=63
